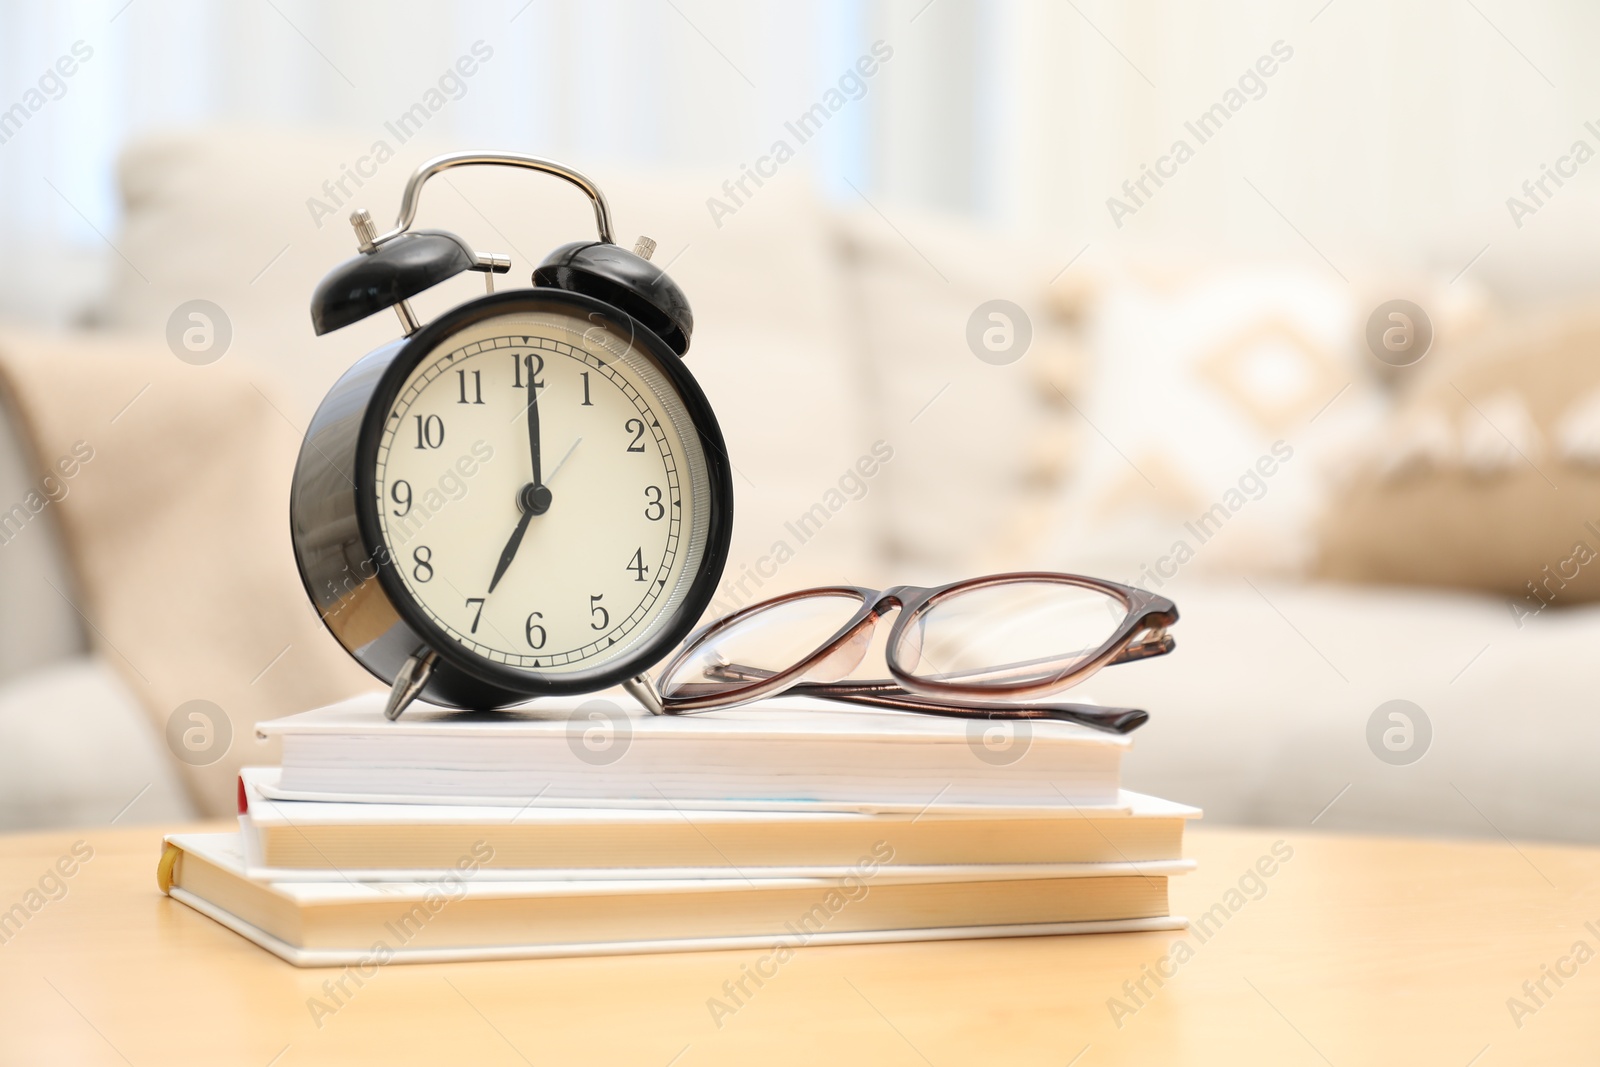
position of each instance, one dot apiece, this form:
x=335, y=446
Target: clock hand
x=512, y=545
x=533, y=422
x=533, y=498
x=563, y=460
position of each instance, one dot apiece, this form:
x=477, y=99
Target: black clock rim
x=719, y=534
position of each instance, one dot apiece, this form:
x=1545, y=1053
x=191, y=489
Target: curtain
x=1397, y=133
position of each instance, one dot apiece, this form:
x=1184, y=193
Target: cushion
x=1262, y=714
x=42, y=625
x=1488, y=475
x=980, y=445
x=176, y=529
x=77, y=750
x=1219, y=398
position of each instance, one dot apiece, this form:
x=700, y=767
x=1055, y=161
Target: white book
x=328, y=841
x=460, y=917
x=784, y=753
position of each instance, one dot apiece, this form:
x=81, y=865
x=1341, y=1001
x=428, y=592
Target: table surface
x=1354, y=951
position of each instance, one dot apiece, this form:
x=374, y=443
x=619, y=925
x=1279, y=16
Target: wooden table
x=1354, y=951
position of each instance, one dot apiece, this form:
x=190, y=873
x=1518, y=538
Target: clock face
x=542, y=492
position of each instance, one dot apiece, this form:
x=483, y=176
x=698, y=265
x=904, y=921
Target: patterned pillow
x=1219, y=403
x=1487, y=477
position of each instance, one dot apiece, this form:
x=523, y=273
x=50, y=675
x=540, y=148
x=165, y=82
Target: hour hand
x=534, y=500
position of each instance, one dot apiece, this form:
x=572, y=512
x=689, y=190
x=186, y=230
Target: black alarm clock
x=528, y=496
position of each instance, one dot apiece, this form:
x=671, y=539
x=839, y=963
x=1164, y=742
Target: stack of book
x=563, y=830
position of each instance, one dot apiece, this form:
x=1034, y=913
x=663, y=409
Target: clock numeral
x=654, y=509
x=530, y=628
x=636, y=565
x=430, y=431
x=635, y=427
x=535, y=365
x=596, y=610
x=404, y=501
x=587, y=403
x=478, y=600
x=422, y=556
x=477, y=386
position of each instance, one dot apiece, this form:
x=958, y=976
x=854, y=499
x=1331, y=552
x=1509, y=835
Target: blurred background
x=1278, y=309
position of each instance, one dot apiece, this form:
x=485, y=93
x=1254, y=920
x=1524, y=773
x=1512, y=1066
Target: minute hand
x=534, y=497
x=533, y=422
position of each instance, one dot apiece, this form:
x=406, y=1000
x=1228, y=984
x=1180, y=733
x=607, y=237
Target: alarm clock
x=527, y=496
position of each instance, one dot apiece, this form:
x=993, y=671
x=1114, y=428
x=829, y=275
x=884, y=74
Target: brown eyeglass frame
x=1141, y=634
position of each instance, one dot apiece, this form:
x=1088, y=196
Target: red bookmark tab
x=244, y=804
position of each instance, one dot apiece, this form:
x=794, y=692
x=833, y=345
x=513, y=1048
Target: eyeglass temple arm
x=889, y=695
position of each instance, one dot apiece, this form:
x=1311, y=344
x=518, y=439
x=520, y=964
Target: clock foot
x=642, y=689
x=409, y=682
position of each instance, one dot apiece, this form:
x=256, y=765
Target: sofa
x=161, y=573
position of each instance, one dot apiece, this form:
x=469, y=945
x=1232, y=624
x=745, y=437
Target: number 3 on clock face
x=540, y=487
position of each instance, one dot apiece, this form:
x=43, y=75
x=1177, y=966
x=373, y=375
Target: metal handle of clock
x=439, y=164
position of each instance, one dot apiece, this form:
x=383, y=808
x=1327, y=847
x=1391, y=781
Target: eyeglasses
x=981, y=648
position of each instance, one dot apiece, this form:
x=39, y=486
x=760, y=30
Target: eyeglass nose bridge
x=908, y=600
x=846, y=651
x=901, y=598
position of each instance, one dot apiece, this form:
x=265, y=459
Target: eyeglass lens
x=768, y=641
x=1011, y=632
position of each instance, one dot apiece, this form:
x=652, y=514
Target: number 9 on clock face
x=546, y=504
